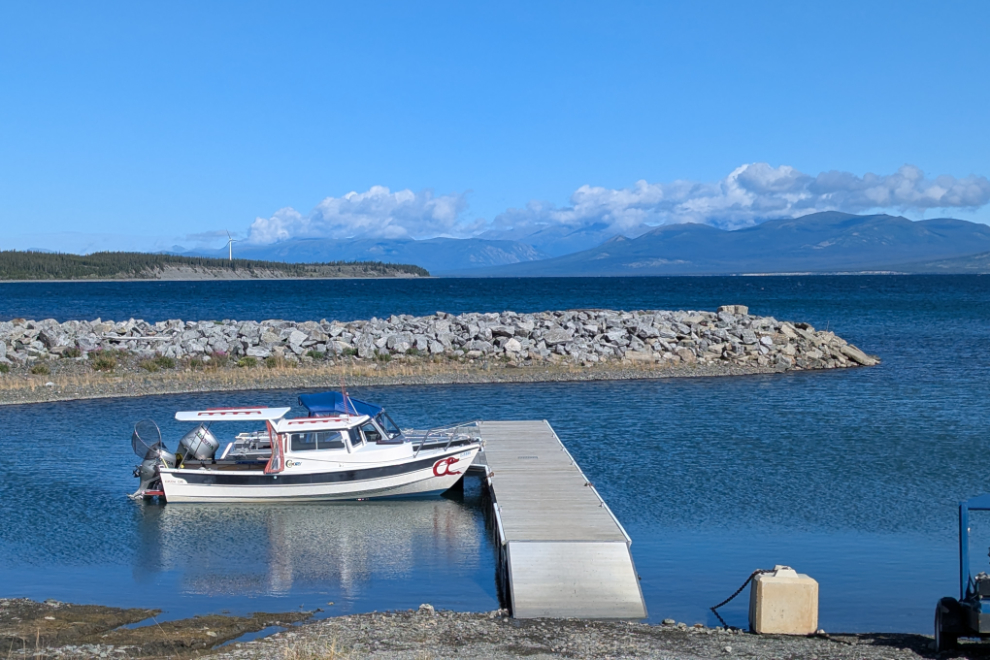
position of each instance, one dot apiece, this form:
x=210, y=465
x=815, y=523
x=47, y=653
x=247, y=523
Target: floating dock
x=561, y=551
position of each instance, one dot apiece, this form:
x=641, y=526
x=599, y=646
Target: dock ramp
x=563, y=551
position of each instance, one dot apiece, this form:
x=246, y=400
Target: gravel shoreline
x=68, y=380
x=416, y=635
x=60, y=630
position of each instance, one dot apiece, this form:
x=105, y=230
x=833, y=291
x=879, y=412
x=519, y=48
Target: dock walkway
x=563, y=551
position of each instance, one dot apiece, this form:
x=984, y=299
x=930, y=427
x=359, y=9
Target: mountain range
x=818, y=243
x=825, y=242
x=559, y=240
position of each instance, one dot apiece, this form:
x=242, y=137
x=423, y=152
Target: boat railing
x=450, y=430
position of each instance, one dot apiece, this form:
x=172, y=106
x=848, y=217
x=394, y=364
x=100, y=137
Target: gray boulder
x=258, y=352
x=857, y=355
x=556, y=336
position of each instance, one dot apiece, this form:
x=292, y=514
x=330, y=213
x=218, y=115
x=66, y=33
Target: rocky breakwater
x=588, y=338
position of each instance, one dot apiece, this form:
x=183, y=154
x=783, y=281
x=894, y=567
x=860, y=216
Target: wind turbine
x=230, y=246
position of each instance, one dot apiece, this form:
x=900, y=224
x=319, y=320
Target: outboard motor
x=199, y=444
x=146, y=441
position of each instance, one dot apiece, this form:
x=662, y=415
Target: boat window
x=356, y=439
x=316, y=440
x=371, y=432
x=302, y=441
x=391, y=428
x=330, y=440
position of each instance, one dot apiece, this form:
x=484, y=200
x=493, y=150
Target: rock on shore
x=730, y=335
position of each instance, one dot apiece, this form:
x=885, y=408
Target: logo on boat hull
x=442, y=467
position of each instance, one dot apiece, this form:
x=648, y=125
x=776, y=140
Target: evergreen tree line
x=28, y=265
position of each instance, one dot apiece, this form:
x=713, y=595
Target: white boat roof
x=325, y=423
x=232, y=414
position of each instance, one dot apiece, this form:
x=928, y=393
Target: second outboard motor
x=199, y=444
x=147, y=444
x=148, y=472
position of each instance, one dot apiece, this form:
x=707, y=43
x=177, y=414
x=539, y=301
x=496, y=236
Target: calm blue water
x=851, y=476
x=346, y=300
x=69, y=531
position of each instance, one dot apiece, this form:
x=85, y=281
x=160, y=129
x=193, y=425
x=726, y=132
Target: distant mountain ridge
x=972, y=264
x=559, y=240
x=820, y=242
x=825, y=242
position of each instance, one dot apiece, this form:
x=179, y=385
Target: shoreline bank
x=82, y=383
x=287, y=278
x=61, y=630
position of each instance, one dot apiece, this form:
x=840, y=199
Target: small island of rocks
x=49, y=360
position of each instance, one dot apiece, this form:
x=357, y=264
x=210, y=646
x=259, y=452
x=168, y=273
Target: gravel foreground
x=60, y=630
x=426, y=634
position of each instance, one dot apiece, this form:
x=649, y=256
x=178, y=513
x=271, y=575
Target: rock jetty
x=584, y=337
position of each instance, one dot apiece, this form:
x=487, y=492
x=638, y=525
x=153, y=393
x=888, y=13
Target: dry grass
x=319, y=648
x=278, y=362
x=21, y=387
x=104, y=363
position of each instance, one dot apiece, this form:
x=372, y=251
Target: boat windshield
x=371, y=432
x=316, y=440
x=390, y=427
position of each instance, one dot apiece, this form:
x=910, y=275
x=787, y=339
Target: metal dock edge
x=562, y=551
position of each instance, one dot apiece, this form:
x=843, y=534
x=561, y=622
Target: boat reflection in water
x=333, y=548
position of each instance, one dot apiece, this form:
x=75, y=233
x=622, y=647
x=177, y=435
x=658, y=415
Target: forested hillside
x=17, y=265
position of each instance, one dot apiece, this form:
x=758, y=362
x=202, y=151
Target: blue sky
x=143, y=125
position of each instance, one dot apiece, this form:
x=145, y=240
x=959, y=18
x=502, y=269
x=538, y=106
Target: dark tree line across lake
x=27, y=265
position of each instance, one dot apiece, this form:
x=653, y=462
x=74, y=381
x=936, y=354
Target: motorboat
x=344, y=449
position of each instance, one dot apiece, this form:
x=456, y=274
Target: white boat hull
x=429, y=473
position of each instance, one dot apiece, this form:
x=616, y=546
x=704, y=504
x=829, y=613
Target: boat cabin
x=324, y=430
x=338, y=432
x=335, y=403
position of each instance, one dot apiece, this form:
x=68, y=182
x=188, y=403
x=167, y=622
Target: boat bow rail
x=450, y=432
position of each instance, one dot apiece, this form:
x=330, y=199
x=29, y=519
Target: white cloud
x=750, y=194
x=375, y=213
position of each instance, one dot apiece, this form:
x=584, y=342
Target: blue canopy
x=328, y=403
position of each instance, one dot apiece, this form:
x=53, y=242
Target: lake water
x=851, y=476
